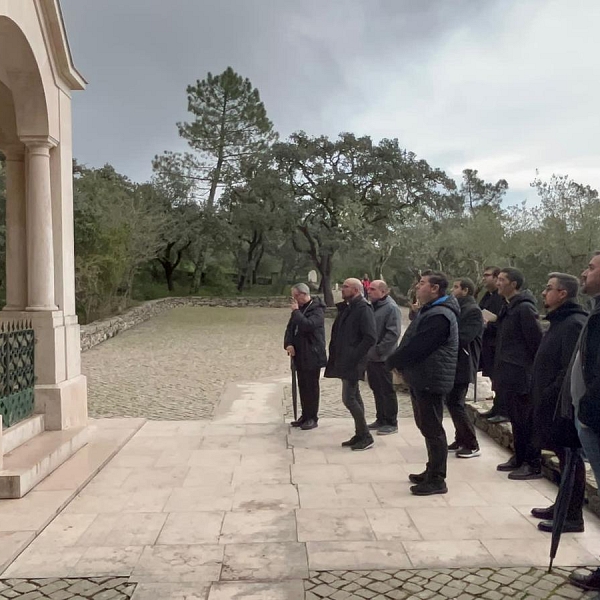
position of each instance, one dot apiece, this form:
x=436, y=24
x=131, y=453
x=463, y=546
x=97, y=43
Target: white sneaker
x=468, y=452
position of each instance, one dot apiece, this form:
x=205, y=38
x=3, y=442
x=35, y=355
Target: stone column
x=16, y=234
x=40, y=248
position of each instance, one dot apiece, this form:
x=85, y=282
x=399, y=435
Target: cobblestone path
x=460, y=584
x=331, y=405
x=94, y=588
x=174, y=367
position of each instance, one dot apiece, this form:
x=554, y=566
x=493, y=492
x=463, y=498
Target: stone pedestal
x=61, y=390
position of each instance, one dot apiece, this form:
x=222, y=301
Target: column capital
x=14, y=152
x=39, y=144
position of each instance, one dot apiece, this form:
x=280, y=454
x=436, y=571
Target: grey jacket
x=388, y=325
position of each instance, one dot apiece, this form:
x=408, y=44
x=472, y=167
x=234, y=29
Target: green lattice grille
x=17, y=373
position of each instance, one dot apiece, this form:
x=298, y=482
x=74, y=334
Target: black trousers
x=310, y=391
x=386, y=401
x=520, y=413
x=428, y=409
x=354, y=403
x=465, y=431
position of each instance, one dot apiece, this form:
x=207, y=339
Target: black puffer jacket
x=549, y=369
x=428, y=352
x=352, y=334
x=470, y=332
x=306, y=332
x=519, y=337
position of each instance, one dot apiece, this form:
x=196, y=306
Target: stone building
x=37, y=78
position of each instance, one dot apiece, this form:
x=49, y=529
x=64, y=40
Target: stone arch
x=20, y=73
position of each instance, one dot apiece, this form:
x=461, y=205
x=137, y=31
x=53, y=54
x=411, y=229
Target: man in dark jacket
x=387, y=322
x=470, y=332
x=491, y=302
x=304, y=341
x=552, y=360
x=519, y=336
x=352, y=334
x=427, y=358
x=585, y=392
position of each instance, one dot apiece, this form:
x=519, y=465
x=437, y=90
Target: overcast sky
x=502, y=86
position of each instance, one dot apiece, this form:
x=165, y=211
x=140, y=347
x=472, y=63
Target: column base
x=41, y=308
x=10, y=308
x=63, y=404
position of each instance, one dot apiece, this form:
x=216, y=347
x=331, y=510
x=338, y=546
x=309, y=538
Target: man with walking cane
x=304, y=342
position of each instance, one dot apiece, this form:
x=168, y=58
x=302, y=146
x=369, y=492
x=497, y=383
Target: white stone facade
x=37, y=78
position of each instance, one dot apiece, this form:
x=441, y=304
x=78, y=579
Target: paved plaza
x=239, y=505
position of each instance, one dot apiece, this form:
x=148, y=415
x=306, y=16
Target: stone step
x=34, y=460
x=22, y=432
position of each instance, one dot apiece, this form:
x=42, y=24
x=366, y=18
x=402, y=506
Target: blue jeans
x=590, y=441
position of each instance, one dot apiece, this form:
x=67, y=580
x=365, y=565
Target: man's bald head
x=351, y=288
x=378, y=290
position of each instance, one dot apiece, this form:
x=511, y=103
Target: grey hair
x=302, y=288
x=566, y=282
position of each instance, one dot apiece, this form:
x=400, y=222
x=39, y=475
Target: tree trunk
x=169, y=270
x=325, y=270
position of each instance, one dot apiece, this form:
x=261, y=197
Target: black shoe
x=428, y=488
x=387, y=429
x=526, y=472
x=498, y=419
x=510, y=465
x=418, y=477
x=351, y=441
x=586, y=582
x=488, y=413
x=309, y=424
x=453, y=446
x=468, y=452
x=375, y=424
x=297, y=423
x=363, y=443
x=568, y=527
x=543, y=513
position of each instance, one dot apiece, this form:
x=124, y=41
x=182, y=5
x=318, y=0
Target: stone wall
x=502, y=433
x=97, y=332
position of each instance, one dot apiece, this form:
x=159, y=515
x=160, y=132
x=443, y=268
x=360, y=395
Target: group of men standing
x=548, y=386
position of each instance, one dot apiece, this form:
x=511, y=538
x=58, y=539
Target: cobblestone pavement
x=331, y=405
x=460, y=584
x=94, y=588
x=174, y=367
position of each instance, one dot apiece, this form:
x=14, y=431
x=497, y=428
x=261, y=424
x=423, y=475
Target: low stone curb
x=502, y=433
x=99, y=331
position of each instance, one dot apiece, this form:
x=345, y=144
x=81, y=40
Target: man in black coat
x=304, y=341
x=585, y=392
x=352, y=334
x=427, y=358
x=519, y=337
x=492, y=302
x=470, y=332
x=552, y=360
